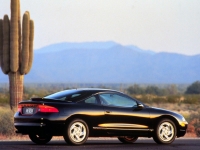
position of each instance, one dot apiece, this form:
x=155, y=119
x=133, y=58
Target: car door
x=93, y=113
x=122, y=115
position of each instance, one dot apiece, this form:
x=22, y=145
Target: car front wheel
x=40, y=139
x=127, y=139
x=77, y=132
x=165, y=132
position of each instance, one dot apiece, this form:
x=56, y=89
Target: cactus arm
x=6, y=45
x=19, y=28
x=25, y=43
x=31, y=38
x=16, y=56
x=19, y=33
x=14, y=39
x=1, y=41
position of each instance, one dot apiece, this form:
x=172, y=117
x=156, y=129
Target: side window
x=69, y=96
x=62, y=98
x=117, y=100
x=91, y=100
x=75, y=95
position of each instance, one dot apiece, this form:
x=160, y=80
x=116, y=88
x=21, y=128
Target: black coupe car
x=77, y=114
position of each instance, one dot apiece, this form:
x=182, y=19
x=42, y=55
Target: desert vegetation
x=16, y=49
x=178, y=98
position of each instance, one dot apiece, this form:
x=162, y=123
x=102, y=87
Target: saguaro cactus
x=16, y=50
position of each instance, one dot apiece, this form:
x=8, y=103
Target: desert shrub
x=194, y=120
x=135, y=89
x=159, y=100
x=6, y=121
x=194, y=88
x=192, y=99
x=4, y=98
x=154, y=90
x=173, y=99
x=149, y=99
x=145, y=98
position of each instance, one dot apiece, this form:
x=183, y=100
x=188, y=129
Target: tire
x=165, y=132
x=76, y=132
x=40, y=139
x=127, y=139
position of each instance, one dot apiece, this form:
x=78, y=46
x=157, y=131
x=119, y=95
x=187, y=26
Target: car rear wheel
x=77, y=132
x=165, y=132
x=39, y=138
x=127, y=139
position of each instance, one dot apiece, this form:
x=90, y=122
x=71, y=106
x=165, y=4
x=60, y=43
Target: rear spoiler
x=46, y=100
x=36, y=99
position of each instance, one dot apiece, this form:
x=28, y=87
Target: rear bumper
x=39, y=123
x=38, y=128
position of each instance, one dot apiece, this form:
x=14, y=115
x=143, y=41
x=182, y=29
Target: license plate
x=28, y=111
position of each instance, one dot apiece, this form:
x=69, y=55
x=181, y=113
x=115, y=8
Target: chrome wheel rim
x=166, y=131
x=77, y=132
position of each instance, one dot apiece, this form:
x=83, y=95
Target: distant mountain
x=86, y=45
x=109, y=62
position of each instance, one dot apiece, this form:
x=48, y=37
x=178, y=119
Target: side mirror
x=140, y=106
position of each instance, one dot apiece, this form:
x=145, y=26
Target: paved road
x=104, y=144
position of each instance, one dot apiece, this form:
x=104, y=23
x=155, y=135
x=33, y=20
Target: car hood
x=165, y=111
x=161, y=111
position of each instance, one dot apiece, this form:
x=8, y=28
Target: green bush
x=194, y=88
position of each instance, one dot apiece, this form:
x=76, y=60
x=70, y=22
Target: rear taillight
x=47, y=109
x=36, y=108
x=19, y=108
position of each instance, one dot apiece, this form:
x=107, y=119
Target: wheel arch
x=70, y=130
x=167, y=117
x=78, y=116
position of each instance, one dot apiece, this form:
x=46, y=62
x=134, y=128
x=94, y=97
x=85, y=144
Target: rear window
x=67, y=95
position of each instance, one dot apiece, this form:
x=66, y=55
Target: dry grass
x=6, y=121
x=14, y=137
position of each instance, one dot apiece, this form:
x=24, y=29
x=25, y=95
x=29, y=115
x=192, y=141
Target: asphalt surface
x=103, y=144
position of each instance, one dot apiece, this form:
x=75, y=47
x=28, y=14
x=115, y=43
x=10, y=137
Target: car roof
x=82, y=93
x=85, y=92
x=92, y=90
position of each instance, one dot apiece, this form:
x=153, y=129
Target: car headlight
x=182, y=118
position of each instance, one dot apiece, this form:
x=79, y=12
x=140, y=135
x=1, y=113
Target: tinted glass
x=65, y=95
x=117, y=100
x=91, y=100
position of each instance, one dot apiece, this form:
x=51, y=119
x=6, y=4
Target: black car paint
x=102, y=120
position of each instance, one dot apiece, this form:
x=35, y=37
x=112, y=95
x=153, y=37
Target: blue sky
x=158, y=25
